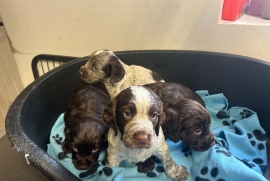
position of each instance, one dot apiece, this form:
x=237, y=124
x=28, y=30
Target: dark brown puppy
x=84, y=129
x=186, y=116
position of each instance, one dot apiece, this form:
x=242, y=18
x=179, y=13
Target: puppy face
x=84, y=139
x=189, y=121
x=137, y=114
x=102, y=66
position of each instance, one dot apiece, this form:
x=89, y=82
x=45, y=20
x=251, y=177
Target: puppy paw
x=147, y=165
x=178, y=173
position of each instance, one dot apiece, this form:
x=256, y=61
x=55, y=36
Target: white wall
x=77, y=28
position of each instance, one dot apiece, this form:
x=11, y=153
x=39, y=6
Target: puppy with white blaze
x=105, y=67
x=135, y=117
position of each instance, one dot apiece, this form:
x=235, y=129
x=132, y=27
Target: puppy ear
x=66, y=147
x=172, y=126
x=117, y=71
x=161, y=120
x=65, y=144
x=171, y=114
x=176, y=115
x=109, y=116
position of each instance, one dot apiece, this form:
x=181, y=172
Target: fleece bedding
x=239, y=153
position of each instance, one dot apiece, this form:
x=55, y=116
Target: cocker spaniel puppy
x=84, y=129
x=104, y=66
x=186, y=116
x=135, y=116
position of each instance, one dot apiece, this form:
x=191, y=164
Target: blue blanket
x=239, y=153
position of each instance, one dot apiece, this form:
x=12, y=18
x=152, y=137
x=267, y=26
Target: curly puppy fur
x=84, y=129
x=104, y=66
x=186, y=116
x=135, y=134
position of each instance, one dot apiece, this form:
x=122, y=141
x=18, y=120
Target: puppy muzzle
x=83, y=164
x=138, y=135
x=201, y=144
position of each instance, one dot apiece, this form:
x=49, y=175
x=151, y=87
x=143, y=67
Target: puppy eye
x=127, y=114
x=154, y=115
x=198, y=131
x=95, y=150
x=75, y=149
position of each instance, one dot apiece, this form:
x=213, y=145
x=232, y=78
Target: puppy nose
x=83, y=163
x=211, y=141
x=81, y=71
x=142, y=138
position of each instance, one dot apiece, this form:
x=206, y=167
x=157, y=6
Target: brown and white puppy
x=135, y=134
x=186, y=116
x=84, y=129
x=104, y=66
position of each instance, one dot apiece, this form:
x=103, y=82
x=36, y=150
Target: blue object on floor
x=239, y=153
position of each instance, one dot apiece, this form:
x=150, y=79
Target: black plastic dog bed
x=30, y=118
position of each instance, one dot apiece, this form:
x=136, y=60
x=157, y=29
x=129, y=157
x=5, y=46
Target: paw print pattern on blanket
x=256, y=138
x=223, y=115
x=213, y=173
x=62, y=156
x=89, y=172
x=151, y=174
x=58, y=139
x=246, y=162
x=187, y=151
x=227, y=123
x=246, y=113
x=107, y=171
x=93, y=172
x=159, y=168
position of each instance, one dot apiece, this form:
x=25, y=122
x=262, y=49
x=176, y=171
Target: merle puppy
x=135, y=134
x=84, y=129
x=186, y=116
x=104, y=66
